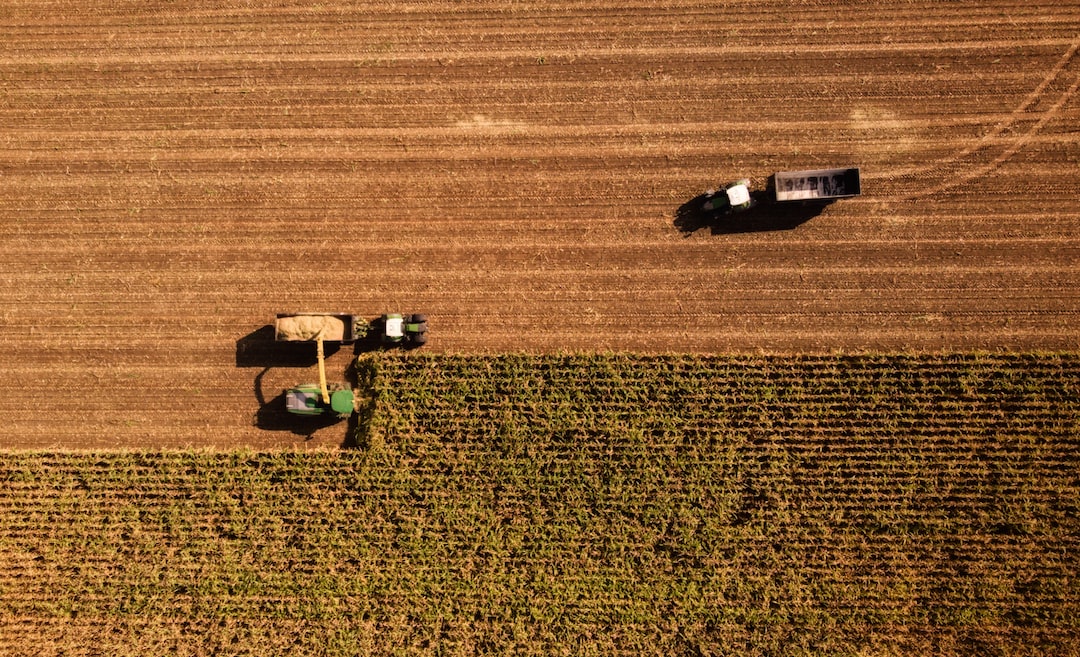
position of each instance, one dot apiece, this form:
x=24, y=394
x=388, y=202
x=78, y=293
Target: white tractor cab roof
x=395, y=327
x=738, y=195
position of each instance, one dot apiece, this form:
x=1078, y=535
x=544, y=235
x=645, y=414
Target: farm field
x=173, y=175
x=673, y=505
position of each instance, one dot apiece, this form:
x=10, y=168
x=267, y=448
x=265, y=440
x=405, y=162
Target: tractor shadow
x=765, y=215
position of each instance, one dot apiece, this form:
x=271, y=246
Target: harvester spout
x=322, y=369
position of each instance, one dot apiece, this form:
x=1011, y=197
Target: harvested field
x=672, y=506
x=172, y=176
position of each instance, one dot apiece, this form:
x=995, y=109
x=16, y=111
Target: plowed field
x=174, y=174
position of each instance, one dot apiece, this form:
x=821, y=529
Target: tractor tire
x=419, y=319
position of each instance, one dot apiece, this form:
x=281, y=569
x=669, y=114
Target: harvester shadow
x=766, y=215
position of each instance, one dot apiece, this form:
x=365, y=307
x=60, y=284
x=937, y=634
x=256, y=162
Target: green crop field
x=599, y=504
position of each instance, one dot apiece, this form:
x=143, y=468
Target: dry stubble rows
x=172, y=177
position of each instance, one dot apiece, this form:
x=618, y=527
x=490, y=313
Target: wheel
x=419, y=319
x=419, y=339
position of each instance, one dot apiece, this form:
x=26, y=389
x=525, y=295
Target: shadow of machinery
x=765, y=215
x=259, y=349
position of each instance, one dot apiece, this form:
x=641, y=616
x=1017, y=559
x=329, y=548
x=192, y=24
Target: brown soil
x=174, y=175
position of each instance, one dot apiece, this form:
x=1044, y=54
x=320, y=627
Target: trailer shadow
x=766, y=215
x=259, y=349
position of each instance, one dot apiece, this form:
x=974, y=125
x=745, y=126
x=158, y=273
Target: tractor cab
x=733, y=197
x=405, y=330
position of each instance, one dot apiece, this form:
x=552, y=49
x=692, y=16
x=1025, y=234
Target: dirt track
x=171, y=178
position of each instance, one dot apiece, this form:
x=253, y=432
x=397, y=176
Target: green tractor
x=403, y=330
x=733, y=197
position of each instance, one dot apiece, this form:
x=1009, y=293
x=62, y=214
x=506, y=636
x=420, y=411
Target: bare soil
x=174, y=175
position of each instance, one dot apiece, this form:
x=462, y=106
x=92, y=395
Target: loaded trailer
x=305, y=327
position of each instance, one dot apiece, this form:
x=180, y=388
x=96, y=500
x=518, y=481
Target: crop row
x=584, y=504
x=606, y=401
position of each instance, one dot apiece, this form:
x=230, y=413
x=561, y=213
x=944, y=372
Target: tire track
x=1017, y=143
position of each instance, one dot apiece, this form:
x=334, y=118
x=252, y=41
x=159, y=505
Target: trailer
x=306, y=327
x=817, y=184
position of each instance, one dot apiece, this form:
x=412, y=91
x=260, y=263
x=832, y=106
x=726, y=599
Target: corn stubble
x=583, y=504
